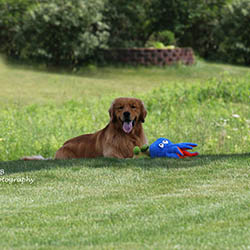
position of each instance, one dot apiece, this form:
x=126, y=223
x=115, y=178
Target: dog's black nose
x=126, y=114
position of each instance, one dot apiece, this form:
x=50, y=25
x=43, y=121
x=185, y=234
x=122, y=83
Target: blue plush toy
x=163, y=147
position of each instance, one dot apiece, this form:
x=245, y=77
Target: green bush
x=11, y=19
x=161, y=39
x=66, y=32
x=167, y=37
x=193, y=22
x=235, y=39
x=131, y=22
x=62, y=32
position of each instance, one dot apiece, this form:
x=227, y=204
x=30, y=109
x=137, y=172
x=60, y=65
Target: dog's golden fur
x=117, y=139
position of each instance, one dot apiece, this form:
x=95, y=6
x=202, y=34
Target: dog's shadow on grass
x=11, y=167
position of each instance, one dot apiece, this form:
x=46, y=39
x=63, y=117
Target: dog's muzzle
x=127, y=123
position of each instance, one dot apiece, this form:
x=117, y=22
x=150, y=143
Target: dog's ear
x=143, y=113
x=112, y=113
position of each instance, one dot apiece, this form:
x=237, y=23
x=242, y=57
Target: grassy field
x=24, y=85
x=198, y=203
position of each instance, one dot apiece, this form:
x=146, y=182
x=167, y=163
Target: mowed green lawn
x=198, y=203
x=28, y=85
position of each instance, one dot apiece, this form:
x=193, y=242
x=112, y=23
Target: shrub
x=130, y=21
x=235, y=40
x=62, y=32
x=11, y=18
x=161, y=39
x=167, y=37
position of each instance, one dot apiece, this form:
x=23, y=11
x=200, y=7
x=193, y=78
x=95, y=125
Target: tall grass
x=215, y=115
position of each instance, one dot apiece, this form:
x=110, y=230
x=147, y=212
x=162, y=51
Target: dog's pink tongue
x=127, y=127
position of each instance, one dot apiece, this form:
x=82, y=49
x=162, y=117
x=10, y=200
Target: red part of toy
x=186, y=153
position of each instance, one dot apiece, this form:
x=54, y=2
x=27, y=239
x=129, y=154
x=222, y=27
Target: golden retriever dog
x=123, y=132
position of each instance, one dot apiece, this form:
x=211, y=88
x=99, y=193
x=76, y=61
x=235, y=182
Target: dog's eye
x=133, y=106
x=165, y=142
x=161, y=145
x=121, y=107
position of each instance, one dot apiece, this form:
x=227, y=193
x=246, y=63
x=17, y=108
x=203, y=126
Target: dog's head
x=127, y=113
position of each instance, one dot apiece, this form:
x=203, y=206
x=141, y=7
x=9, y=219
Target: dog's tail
x=35, y=158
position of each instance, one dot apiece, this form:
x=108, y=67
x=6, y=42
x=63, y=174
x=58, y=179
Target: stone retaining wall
x=143, y=56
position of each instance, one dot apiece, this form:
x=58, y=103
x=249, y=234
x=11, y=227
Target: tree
x=235, y=38
x=130, y=22
x=193, y=22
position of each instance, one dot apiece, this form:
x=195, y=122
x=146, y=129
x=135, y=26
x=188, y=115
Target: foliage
x=235, y=38
x=167, y=37
x=68, y=32
x=184, y=23
x=201, y=32
x=193, y=22
x=63, y=32
x=161, y=39
x=130, y=22
x=11, y=19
